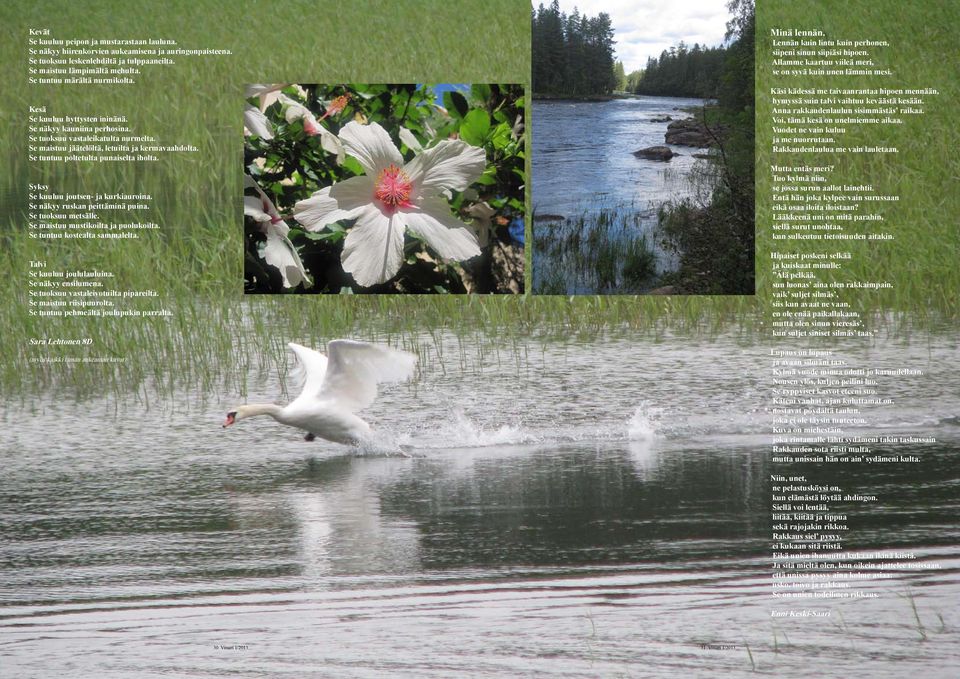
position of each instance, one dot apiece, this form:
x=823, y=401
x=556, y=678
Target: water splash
x=462, y=432
x=645, y=425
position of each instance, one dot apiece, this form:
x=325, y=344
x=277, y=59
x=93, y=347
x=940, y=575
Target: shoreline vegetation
x=585, y=98
x=712, y=234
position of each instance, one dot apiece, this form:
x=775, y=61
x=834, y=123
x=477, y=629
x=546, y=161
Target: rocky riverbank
x=691, y=132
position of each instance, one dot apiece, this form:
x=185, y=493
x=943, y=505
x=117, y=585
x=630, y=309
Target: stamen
x=336, y=105
x=393, y=188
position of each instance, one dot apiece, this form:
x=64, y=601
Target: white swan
x=335, y=386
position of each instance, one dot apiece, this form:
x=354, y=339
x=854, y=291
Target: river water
x=583, y=165
x=583, y=154
x=579, y=508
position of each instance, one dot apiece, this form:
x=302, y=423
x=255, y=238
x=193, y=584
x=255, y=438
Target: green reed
x=605, y=252
x=217, y=338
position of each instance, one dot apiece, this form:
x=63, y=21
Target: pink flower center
x=393, y=188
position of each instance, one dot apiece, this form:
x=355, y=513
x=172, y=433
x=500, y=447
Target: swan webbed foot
x=309, y=436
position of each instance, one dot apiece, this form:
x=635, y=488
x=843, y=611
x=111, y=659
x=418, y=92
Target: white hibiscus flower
x=254, y=122
x=279, y=251
x=392, y=197
x=328, y=140
x=265, y=94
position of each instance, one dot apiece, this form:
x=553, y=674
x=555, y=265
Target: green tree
x=621, y=75
x=573, y=55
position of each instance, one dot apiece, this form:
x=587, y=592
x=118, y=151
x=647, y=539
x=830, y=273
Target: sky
x=440, y=88
x=644, y=28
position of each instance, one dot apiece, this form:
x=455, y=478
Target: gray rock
x=662, y=153
x=688, y=138
x=689, y=132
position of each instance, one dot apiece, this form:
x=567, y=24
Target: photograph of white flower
x=384, y=188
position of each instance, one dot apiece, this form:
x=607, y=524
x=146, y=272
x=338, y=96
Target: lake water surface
x=594, y=508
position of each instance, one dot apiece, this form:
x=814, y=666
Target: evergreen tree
x=621, y=76
x=683, y=72
x=573, y=55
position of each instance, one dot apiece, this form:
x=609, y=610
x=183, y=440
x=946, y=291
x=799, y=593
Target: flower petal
x=292, y=110
x=451, y=164
x=280, y=253
x=328, y=140
x=340, y=201
x=371, y=146
x=373, y=248
x=331, y=144
x=408, y=138
x=257, y=123
x=266, y=205
x=451, y=238
x=256, y=90
x=253, y=207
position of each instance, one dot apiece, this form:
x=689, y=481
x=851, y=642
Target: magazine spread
x=458, y=339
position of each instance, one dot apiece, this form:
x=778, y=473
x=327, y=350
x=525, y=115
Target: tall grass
x=195, y=260
x=608, y=251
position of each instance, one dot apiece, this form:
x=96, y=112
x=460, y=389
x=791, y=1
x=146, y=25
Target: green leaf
x=455, y=103
x=480, y=92
x=488, y=177
x=475, y=127
x=332, y=233
x=350, y=163
x=502, y=136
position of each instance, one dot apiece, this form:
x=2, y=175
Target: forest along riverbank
x=596, y=202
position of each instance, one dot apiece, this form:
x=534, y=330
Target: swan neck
x=255, y=409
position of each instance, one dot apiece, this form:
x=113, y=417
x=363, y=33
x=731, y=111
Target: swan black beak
x=231, y=418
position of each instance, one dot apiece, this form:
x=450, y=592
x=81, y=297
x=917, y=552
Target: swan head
x=238, y=414
x=232, y=417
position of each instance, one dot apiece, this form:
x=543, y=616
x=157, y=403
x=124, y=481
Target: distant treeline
x=572, y=55
x=683, y=71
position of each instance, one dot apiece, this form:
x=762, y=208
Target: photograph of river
x=579, y=507
x=585, y=182
x=643, y=181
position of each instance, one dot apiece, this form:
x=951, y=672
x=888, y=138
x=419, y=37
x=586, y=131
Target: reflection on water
x=598, y=509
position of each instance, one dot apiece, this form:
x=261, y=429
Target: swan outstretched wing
x=355, y=368
x=312, y=366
